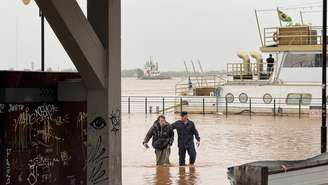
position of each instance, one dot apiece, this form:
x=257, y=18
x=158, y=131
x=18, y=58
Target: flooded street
x=224, y=142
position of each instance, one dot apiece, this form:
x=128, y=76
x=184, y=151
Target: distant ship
x=151, y=72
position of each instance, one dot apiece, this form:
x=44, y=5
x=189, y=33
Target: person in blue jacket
x=186, y=132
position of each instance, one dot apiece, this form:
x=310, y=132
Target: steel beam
x=78, y=38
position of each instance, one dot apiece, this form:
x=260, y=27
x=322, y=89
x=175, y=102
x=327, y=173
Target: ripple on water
x=225, y=142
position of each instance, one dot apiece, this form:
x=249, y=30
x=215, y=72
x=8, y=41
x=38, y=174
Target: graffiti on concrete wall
x=97, y=159
x=45, y=112
x=8, y=167
x=82, y=129
x=40, y=170
x=46, y=143
x=98, y=153
x=2, y=108
x=15, y=107
x=115, y=118
x=98, y=123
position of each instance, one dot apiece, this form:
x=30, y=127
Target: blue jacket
x=186, y=133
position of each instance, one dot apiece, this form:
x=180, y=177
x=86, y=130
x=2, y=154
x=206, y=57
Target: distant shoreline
x=134, y=73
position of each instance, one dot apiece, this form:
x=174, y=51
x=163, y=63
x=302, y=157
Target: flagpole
x=42, y=39
x=324, y=80
x=279, y=17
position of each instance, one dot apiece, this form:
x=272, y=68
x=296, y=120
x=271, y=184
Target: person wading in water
x=186, y=131
x=163, y=137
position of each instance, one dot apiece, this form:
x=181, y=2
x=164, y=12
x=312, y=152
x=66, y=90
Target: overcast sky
x=169, y=30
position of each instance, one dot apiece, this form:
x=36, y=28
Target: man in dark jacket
x=163, y=137
x=186, y=131
x=270, y=63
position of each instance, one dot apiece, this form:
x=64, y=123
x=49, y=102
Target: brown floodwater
x=224, y=143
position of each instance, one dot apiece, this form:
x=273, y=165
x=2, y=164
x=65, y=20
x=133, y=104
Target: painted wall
x=43, y=140
x=44, y=143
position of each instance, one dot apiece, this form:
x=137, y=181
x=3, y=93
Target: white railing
x=254, y=69
x=185, y=87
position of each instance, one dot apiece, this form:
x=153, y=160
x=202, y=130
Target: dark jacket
x=186, y=133
x=162, y=137
x=270, y=62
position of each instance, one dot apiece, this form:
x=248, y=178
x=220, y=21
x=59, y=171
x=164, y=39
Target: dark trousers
x=182, y=155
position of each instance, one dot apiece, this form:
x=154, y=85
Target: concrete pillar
x=94, y=45
x=3, y=152
x=104, y=105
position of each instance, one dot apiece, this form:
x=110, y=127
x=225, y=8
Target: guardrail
x=234, y=69
x=184, y=86
x=224, y=105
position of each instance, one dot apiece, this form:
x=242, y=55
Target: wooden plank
x=294, y=35
x=291, y=48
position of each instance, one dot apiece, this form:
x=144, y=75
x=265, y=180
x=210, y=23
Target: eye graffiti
x=98, y=123
x=116, y=120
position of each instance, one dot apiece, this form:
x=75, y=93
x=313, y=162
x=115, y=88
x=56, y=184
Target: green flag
x=284, y=17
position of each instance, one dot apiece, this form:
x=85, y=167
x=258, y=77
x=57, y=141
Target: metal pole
x=299, y=108
x=226, y=107
x=163, y=105
x=258, y=27
x=202, y=72
x=302, y=19
x=146, y=104
x=217, y=104
x=203, y=105
x=274, y=107
x=250, y=108
x=187, y=71
x=129, y=105
x=324, y=80
x=42, y=40
x=195, y=72
x=279, y=17
x=180, y=104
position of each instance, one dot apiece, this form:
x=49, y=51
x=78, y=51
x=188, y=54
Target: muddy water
x=134, y=87
x=224, y=142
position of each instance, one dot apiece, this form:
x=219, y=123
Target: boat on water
x=151, y=72
x=312, y=171
x=295, y=75
x=285, y=72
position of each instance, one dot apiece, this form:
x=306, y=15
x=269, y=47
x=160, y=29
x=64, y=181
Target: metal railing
x=215, y=105
x=255, y=69
x=184, y=87
x=311, y=35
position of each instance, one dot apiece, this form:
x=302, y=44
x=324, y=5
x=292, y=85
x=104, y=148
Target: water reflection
x=174, y=175
x=162, y=176
x=225, y=142
x=187, y=175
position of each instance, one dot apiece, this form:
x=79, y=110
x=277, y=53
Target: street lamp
x=26, y=2
x=324, y=80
